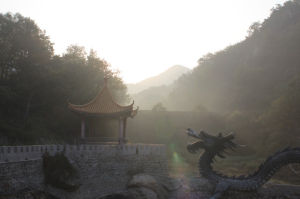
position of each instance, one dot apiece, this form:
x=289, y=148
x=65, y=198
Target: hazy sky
x=142, y=38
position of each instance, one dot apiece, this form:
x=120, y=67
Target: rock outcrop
x=143, y=186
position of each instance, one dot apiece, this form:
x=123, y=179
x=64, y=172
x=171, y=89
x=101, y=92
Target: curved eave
x=134, y=112
x=124, y=111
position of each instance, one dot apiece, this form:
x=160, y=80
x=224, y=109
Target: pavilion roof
x=103, y=105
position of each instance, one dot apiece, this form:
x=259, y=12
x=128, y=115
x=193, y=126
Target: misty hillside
x=165, y=78
x=250, y=75
x=149, y=97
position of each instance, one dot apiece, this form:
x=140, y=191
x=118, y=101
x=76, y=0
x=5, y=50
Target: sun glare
x=144, y=38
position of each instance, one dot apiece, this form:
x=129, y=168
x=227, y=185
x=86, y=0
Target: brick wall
x=103, y=169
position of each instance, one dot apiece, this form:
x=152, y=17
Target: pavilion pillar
x=121, y=131
x=124, y=128
x=82, y=128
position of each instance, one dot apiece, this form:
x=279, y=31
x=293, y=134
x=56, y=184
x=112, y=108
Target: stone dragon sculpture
x=216, y=146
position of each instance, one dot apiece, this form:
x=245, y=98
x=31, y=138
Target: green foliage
x=249, y=75
x=201, y=108
x=253, y=84
x=35, y=84
x=58, y=172
x=281, y=119
x=159, y=107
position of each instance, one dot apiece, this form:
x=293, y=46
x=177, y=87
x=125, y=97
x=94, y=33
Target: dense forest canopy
x=254, y=84
x=249, y=75
x=36, y=84
x=251, y=88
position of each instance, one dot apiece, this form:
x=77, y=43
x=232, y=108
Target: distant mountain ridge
x=248, y=76
x=149, y=97
x=165, y=78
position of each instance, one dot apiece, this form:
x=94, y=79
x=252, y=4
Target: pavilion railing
x=35, y=152
x=102, y=140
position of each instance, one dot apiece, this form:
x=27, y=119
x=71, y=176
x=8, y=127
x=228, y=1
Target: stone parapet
x=35, y=152
x=102, y=169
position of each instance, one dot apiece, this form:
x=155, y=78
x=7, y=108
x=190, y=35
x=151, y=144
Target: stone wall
x=103, y=169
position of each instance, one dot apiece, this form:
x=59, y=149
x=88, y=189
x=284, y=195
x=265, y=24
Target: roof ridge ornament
x=103, y=104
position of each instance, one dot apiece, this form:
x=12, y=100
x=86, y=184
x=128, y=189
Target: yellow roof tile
x=103, y=103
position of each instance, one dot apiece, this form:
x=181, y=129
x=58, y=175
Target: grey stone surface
x=111, y=171
x=102, y=170
x=199, y=188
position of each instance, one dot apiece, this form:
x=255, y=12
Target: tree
x=255, y=27
x=23, y=45
x=35, y=84
x=25, y=53
x=159, y=107
x=281, y=119
x=201, y=108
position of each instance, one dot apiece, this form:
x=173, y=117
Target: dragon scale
x=216, y=145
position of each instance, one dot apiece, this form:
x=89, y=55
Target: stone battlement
x=34, y=152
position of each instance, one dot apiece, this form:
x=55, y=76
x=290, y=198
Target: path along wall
x=103, y=169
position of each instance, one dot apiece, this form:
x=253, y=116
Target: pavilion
x=102, y=109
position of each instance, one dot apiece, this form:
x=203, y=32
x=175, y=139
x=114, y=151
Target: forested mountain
x=36, y=84
x=149, y=97
x=254, y=84
x=163, y=79
x=249, y=75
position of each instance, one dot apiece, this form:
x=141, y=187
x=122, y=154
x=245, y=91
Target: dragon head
x=215, y=144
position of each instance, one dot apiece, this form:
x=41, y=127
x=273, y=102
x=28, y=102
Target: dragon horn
x=230, y=136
